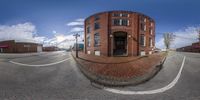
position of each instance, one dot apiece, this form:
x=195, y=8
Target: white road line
x=21, y=64
x=169, y=86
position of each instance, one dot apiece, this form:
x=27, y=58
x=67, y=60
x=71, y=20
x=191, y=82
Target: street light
x=76, y=37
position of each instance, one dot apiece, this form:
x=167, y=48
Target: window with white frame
x=145, y=20
x=142, y=40
x=88, y=41
x=143, y=26
x=151, y=31
x=120, y=22
x=125, y=15
x=115, y=14
x=96, y=26
x=150, y=42
x=116, y=22
x=125, y=22
x=120, y=15
x=96, y=39
x=151, y=24
x=88, y=29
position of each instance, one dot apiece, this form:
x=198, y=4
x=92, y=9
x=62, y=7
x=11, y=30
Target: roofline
x=20, y=42
x=120, y=11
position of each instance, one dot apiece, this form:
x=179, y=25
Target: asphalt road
x=56, y=77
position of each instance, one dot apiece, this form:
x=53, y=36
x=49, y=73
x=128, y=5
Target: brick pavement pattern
x=119, y=67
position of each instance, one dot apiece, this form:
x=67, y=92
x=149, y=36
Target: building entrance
x=120, y=44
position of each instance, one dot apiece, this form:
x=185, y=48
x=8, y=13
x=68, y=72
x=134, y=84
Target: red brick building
x=12, y=46
x=119, y=33
x=195, y=47
x=50, y=48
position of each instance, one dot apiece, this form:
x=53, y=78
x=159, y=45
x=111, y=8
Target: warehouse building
x=195, y=47
x=13, y=46
x=50, y=48
x=119, y=33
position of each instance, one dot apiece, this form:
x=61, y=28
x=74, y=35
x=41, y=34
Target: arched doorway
x=120, y=44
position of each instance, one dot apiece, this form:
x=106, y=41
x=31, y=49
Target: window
x=151, y=31
x=116, y=22
x=143, y=26
x=120, y=22
x=142, y=40
x=151, y=24
x=120, y=15
x=125, y=15
x=96, y=26
x=150, y=42
x=96, y=39
x=88, y=41
x=116, y=15
x=125, y=22
x=96, y=17
x=145, y=20
x=88, y=29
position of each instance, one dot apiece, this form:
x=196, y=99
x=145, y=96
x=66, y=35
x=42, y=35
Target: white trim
x=120, y=22
x=128, y=22
x=144, y=40
x=42, y=65
x=97, y=53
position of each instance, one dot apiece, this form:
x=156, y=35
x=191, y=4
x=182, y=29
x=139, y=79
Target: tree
x=168, y=38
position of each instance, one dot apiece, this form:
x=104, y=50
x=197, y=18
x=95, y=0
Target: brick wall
x=107, y=31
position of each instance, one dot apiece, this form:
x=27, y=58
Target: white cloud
x=77, y=22
x=23, y=31
x=80, y=20
x=26, y=32
x=62, y=40
x=183, y=37
x=76, y=29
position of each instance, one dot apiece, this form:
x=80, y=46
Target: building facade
x=119, y=33
x=11, y=46
x=195, y=47
x=50, y=48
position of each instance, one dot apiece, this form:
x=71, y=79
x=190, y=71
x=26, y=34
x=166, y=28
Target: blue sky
x=53, y=15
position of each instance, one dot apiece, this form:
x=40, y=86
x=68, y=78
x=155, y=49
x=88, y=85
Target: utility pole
x=76, y=37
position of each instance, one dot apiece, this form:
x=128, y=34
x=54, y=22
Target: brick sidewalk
x=122, y=68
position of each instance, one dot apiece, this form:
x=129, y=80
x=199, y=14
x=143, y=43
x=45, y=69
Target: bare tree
x=168, y=38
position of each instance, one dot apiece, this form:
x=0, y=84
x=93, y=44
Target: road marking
x=17, y=63
x=169, y=86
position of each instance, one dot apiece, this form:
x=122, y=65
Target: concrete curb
x=111, y=81
x=114, y=63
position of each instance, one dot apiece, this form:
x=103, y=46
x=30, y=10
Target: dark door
x=120, y=42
